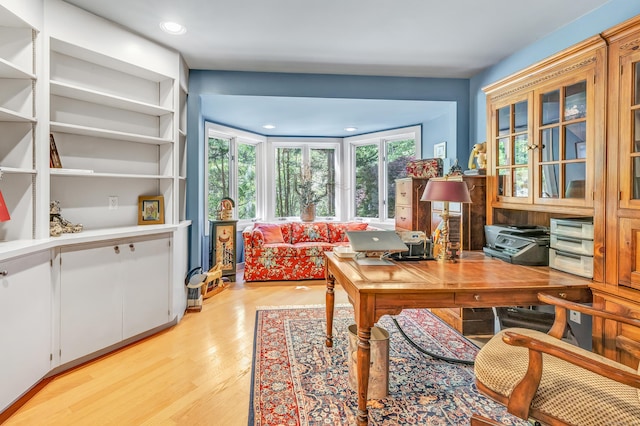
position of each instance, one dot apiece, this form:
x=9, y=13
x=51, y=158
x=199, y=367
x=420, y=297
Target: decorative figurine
x=59, y=225
x=455, y=170
x=478, y=155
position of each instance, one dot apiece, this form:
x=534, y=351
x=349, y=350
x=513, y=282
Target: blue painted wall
x=470, y=100
x=607, y=16
x=203, y=82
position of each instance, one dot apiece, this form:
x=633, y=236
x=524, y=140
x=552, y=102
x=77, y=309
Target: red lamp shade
x=454, y=191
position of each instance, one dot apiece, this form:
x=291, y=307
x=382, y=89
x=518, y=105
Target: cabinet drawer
x=404, y=188
x=404, y=217
x=572, y=245
x=572, y=263
x=576, y=228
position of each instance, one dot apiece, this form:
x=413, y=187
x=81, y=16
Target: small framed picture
x=150, y=210
x=581, y=150
x=440, y=150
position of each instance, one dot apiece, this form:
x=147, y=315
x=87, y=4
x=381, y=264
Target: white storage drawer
x=572, y=245
x=572, y=263
x=574, y=227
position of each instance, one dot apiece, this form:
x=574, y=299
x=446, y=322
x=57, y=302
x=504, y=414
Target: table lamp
x=446, y=191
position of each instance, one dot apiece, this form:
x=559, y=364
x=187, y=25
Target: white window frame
x=381, y=139
x=236, y=137
x=306, y=144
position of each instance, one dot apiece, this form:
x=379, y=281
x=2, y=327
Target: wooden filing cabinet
x=411, y=214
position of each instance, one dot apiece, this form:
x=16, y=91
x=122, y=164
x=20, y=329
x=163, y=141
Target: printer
x=518, y=244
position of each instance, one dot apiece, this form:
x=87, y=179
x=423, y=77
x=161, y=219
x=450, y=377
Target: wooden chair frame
x=519, y=403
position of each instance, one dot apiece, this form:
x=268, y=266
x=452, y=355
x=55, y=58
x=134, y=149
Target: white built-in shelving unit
x=17, y=127
x=115, y=104
x=113, y=124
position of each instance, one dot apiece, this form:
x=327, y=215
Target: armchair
x=537, y=375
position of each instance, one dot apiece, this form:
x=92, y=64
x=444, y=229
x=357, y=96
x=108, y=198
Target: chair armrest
x=561, y=306
x=520, y=399
x=556, y=301
x=576, y=357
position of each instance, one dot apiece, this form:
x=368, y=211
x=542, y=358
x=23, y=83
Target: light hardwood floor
x=195, y=373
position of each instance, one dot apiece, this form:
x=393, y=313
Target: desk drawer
x=524, y=297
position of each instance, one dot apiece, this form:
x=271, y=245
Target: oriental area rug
x=297, y=380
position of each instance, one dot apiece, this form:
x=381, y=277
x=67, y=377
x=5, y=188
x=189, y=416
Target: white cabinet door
x=146, y=270
x=90, y=299
x=25, y=324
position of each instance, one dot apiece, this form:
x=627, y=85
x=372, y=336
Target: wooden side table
x=222, y=242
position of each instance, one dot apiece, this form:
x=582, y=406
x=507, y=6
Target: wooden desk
x=475, y=281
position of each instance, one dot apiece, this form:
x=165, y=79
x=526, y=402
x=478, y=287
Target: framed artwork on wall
x=440, y=150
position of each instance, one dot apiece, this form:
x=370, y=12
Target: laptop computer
x=378, y=241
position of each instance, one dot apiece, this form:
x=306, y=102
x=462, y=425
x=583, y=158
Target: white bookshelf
x=114, y=124
x=17, y=127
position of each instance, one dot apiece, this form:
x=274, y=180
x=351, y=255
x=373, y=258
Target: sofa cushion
x=309, y=232
x=337, y=231
x=271, y=232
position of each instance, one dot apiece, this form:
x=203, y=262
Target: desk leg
x=364, y=359
x=331, y=282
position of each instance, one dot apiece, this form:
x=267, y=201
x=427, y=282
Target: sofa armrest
x=252, y=237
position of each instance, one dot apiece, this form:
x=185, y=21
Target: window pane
x=521, y=149
x=288, y=167
x=574, y=136
x=575, y=101
x=504, y=181
x=550, y=145
x=521, y=182
x=575, y=175
x=504, y=120
x=366, y=190
x=399, y=153
x=551, y=107
x=520, y=117
x=635, y=164
x=247, y=186
x=636, y=131
x=503, y=152
x=550, y=184
x=323, y=174
x=219, y=169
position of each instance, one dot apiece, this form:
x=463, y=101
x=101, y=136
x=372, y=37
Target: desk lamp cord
x=426, y=352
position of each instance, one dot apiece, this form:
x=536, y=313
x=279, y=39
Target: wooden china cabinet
x=545, y=134
x=621, y=291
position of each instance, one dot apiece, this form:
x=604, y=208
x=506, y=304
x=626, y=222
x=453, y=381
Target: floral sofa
x=292, y=250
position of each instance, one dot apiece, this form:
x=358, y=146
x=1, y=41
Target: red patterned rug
x=297, y=380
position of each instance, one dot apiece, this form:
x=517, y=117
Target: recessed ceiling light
x=269, y=126
x=173, y=28
x=351, y=129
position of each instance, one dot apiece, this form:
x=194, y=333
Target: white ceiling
x=407, y=38
x=420, y=38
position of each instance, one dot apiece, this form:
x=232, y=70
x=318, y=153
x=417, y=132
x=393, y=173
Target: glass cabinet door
x=512, y=151
x=561, y=148
x=629, y=110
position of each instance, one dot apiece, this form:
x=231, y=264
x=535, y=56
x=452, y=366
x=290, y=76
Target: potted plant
x=308, y=194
